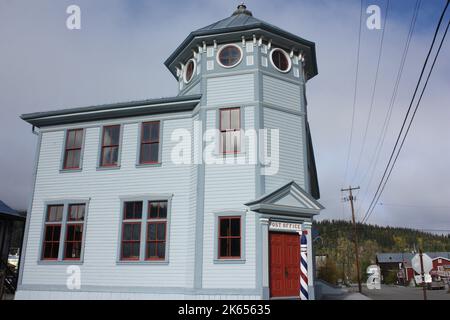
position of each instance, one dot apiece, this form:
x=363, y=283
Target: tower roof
x=243, y=23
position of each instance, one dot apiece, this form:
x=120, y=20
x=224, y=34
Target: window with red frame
x=149, y=153
x=131, y=230
x=110, y=146
x=156, y=230
x=72, y=152
x=74, y=232
x=229, y=237
x=230, y=130
x=52, y=232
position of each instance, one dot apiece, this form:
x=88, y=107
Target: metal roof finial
x=242, y=9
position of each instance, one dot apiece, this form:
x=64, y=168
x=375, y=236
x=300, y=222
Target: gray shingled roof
x=113, y=110
x=407, y=256
x=243, y=20
x=5, y=210
x=434, y=255
x=238, y=19
x=394, y=257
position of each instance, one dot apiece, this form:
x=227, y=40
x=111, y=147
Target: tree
x=400, y=244
x=328, y=272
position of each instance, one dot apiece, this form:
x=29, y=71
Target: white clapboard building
x=199, y=196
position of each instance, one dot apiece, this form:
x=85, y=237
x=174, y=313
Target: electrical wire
x=355, y=92
x=381, y=138
x=374, y=88
x=383, y=181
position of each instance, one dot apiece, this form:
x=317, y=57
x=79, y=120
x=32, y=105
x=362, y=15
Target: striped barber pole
x=303, y=267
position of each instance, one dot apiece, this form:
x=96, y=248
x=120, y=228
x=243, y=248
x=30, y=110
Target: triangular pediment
x=288, y=198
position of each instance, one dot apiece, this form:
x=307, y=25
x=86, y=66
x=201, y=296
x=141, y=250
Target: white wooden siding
x=281, y=93
x=227, y=188
x=60, y=295
x=195, y=89
x=291, y=148
x=102, y=232
x=231, y=89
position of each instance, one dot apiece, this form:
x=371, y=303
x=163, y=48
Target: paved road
x=404, y=293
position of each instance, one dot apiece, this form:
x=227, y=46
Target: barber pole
x=303, y=267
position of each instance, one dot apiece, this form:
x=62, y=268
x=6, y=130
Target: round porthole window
x=280, y=60
x=189, y=70
x=229, y=56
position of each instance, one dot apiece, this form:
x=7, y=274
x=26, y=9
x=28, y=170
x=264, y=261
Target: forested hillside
x=335, y=241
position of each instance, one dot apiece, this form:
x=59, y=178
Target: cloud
x=118, y=55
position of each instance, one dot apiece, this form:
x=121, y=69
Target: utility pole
x=355, y=236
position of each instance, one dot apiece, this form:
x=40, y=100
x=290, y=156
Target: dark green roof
x=114, y=110
x=238, y=23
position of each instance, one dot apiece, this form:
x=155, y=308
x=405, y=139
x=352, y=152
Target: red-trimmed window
x=229, y=237
x=52, y=233
x=230, y=130
x=150, y=143
x=281, y=60
x=72, y=151
x=74, y=232
x=110, y=146
x=131, y=230
x=156, y=230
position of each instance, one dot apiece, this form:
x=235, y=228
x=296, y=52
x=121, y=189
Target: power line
x=388, y=116
x=355, y=91
x=409, y=108
x=410, y=123
x=374, y=88
x=381, y=138
x=381, y=186
x=412, y=206
x=412, y=119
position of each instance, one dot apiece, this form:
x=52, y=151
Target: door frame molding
x=290, y=232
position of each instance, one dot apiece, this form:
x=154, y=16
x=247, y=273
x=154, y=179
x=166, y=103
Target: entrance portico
x=285, y=215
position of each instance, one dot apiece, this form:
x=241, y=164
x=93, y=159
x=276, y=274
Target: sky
x=118, y=56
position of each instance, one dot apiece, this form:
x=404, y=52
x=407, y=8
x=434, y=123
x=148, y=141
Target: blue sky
x=118, y=55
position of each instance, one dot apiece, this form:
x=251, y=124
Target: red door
x=284, y=264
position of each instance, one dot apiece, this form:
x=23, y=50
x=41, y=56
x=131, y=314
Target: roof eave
x=112, y=111
x=284, y=210
x=284, y=34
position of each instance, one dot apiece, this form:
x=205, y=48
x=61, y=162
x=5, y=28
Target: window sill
x=229, y=261
x=70, y=170
x=60, y=262
x=230, y=155
x=143, y=262
x=108, y=168
x=148, y=165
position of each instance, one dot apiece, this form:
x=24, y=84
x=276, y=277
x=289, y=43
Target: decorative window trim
x=224, y=47
x=138, y=151
x=193, y=71
x=62, y=236
x=218, y=150
x=74, y=223
x=144, y=222
x=63, y=153
x=226, y=214
x=287, y=57
x=100, y=149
